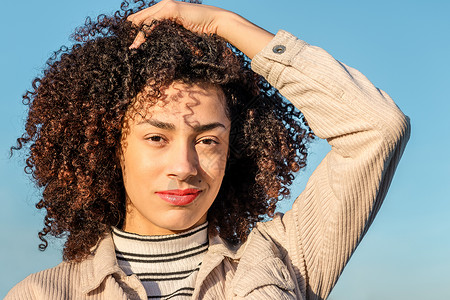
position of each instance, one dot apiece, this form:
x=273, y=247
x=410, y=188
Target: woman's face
x=173, y=158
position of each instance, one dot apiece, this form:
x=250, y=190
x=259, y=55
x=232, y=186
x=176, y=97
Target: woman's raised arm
x=366, y=130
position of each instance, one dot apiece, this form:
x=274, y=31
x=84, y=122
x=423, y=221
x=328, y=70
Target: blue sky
x=401, y=46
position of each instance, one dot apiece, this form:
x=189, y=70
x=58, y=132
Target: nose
x=182, y=162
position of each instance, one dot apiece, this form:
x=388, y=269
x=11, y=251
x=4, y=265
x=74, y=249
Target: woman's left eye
x=209, y=142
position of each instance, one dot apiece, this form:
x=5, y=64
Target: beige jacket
x=298, y=255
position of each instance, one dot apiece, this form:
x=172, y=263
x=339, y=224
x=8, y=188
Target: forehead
x=198, y=103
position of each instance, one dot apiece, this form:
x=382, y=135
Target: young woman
x=161, y=148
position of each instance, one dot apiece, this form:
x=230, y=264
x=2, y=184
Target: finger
x=138, y=40
x=139, y=17
x=148, y=13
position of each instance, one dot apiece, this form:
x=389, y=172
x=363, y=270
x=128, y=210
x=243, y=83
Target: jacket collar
x=100, y=263
x=218, y=246
x=218, y=251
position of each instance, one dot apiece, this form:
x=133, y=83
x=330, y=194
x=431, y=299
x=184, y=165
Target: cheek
x=137, y=165
x=213, y=162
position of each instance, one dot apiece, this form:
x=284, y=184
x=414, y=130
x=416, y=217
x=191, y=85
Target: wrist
x=241, y=33
x=225, y=22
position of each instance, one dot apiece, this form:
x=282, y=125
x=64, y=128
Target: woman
x=160, y=152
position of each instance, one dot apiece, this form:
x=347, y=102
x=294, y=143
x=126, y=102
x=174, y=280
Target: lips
x=179, y=197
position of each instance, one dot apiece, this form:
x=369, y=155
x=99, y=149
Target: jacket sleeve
x=367, y=133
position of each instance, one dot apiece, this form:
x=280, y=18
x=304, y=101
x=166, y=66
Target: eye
x=155, y=139
x=208, y=141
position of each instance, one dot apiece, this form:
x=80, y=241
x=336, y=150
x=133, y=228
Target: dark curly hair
x=76, y=114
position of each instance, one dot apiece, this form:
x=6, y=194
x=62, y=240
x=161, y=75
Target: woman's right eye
x=155, y=139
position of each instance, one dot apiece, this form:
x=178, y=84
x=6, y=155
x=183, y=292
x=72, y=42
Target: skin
x=166, y=147
x=199, y=18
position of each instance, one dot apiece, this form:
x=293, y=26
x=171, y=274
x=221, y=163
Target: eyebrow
x=170, y=126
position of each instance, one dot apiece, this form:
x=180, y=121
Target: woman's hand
x=206, y=19
x=194, y=17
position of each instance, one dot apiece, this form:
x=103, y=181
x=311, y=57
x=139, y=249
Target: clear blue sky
x=402, y=46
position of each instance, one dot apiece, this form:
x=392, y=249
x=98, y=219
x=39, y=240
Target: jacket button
x=279, y=49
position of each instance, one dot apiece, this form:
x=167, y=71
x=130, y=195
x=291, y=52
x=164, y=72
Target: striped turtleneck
x=167, y=265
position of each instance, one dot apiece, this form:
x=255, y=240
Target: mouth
x=179, y=197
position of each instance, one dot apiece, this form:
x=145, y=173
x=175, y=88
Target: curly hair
x=76, y=115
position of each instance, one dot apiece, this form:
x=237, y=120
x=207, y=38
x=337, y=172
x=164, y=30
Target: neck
x=165, y=263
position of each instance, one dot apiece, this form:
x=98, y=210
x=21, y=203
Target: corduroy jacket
x=300, y=254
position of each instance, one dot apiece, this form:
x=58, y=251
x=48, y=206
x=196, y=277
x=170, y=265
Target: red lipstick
x=179, y=197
